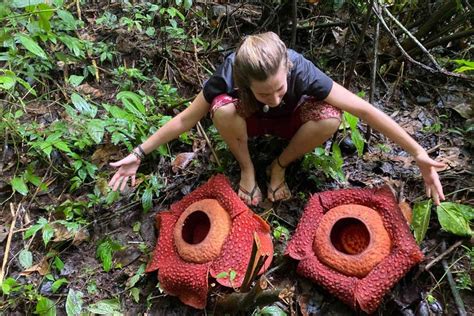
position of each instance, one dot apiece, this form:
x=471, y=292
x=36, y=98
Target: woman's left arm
x=349, y=102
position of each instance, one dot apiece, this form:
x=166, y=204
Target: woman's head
x=260, y=69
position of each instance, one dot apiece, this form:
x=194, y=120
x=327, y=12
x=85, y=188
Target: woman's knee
x=224, y=113
x=326, y=127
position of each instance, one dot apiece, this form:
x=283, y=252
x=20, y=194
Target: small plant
x=105, y=251
x=329, y=163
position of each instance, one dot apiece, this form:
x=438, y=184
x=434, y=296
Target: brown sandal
x=281, y=186
x=250, y=194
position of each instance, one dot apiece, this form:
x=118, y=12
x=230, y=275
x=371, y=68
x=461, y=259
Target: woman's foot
x=249, y=192
x=278, y=189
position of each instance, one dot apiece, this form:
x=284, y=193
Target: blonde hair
x=257, y=58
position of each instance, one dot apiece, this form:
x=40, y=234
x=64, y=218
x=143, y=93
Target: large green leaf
x=83, y=106
x=105, y=307
x=74, y=302
x=421, y=219
x=32, y=46
x=452, y=219
x=96, y=129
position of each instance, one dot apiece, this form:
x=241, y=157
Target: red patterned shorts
x=308, y=109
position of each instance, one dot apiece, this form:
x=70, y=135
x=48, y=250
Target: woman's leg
x=320, y=122
x=233, y=129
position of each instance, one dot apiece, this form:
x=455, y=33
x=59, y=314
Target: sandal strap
x=279, y=163
x=278, y=188
x=251, y=193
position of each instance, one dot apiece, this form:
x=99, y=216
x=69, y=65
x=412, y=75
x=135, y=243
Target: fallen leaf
x=80, y=236
x=182, y=161
x=104, y=154
x=89, y=90
x=406, y=211
x=41, y=267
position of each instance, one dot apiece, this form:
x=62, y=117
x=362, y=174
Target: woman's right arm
x=181, y=123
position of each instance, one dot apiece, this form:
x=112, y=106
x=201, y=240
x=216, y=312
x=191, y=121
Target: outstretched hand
x=127, y=169
x=430, y=176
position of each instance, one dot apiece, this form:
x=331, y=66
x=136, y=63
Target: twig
x=368, y=132
x=203, y=132
x=443, y=71
x=444, y=254
x=457, y=298
x=5, y=149
x=294, y=19
x=78, y=7
x=435, y=63
x=9, y=241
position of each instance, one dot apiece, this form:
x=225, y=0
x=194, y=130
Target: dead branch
x=444, y=254
x=203, y=132
x=294, y=19
x=9, y=240
x=443, y=71
x=368, y=132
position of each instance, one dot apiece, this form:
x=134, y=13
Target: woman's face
x=272, y=90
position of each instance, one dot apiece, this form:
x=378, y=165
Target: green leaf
x=19, y=185
x=57, y=284
x=75, y=80
x=421, y=219
x=452, y=219
x=105, y=251
x=58, y=263
x=104, y=307
x=147, y=199
x=96, y=129
x=8, y=285
x=466, y=211
x=48, y=233
x=222, y=275
x=32, y=46
x=35, y=228
x=25, y=3
x=45, y=307
x=132, y=102
x=7, y=82
x=133, y=280
x=82, y=106
x=358, y=141
x=232, y=275
x=26, y=258
x=135, y=292
x=271, y=311
x=62, y=146
x=188, y=4
x=74, y=302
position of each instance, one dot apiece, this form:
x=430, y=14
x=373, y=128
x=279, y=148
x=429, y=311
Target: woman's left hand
x=430, y=176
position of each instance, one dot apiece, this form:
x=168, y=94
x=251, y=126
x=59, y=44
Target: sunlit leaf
x=83, y=106
x=452, y=220
x=421, y=219
x=74, y=303
x=105, y=307
x=75, y=80
x=32, y=46
x=18, y=184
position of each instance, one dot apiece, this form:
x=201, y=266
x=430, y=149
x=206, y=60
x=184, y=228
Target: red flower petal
x=165, y=251
x=236, y=251
x=187, y=281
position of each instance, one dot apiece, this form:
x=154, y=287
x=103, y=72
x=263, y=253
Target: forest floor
x=433, y=108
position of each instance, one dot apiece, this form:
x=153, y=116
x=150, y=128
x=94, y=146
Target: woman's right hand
x=127, y=169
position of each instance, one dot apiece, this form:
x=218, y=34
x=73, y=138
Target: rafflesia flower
x=209, y=231
x=356, y=243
